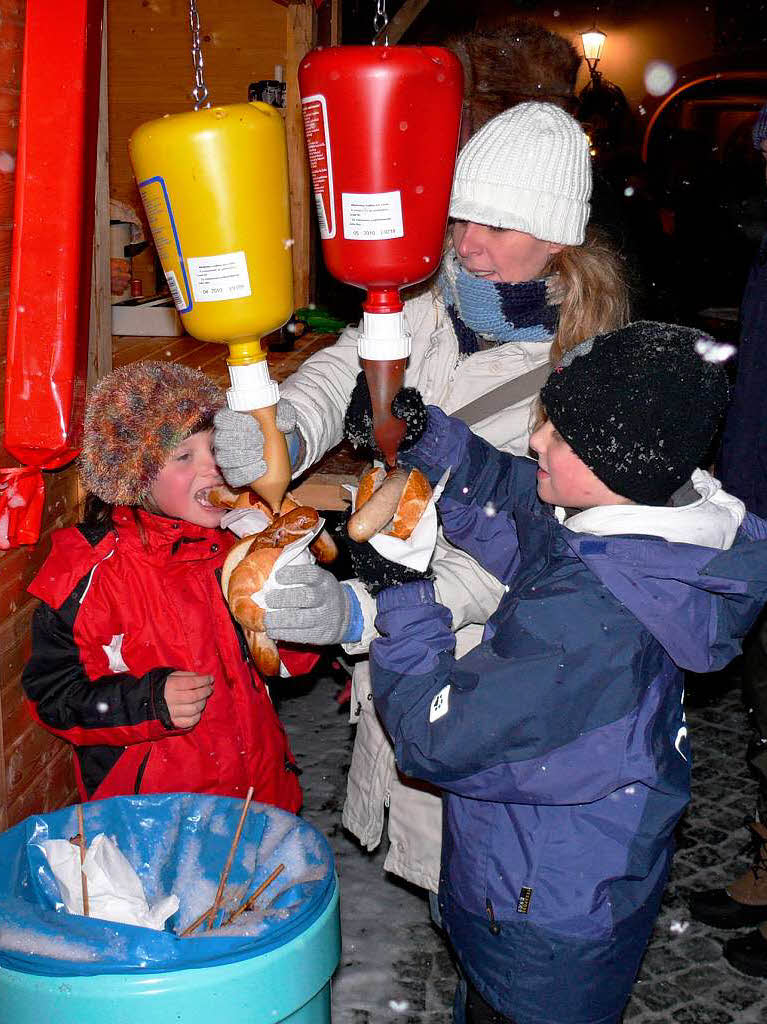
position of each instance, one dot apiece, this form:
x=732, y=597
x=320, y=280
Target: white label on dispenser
x=315, y=113
x=372, y=216
x=216, y=278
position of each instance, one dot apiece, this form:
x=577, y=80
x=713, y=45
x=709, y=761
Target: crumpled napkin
x=415, y=552
x=295, y=553
x=244, y=522
x=115, y=892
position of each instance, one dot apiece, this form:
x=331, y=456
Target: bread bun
x=285, y=529
x=323, y=547
x=223, y=497
x=247, y=499
x=250, y=569
x=248, y=578
x=399, y=499
x=370, y=481
x=246, y=569
x=236, y=554
x=411, y=506
x=264, y=652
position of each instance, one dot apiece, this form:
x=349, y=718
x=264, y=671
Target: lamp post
x=602, y=107
x=593, y=43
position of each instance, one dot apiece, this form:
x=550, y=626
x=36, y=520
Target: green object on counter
x=319, y=318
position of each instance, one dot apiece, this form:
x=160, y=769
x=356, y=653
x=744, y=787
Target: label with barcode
x=159, y=212
x=317, y=133
x=319, y=203
x=175, y=291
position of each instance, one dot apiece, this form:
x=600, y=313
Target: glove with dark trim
x=358, y=422
x=373, y=570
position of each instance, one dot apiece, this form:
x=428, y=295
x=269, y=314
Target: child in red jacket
x=136, y=660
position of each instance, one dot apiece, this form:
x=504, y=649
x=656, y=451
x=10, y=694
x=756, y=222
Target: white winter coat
x=320, y=391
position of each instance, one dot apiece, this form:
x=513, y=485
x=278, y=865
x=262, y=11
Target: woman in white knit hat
x=520, y=283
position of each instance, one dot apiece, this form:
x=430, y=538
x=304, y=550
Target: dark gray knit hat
x=640, y=406
x=134, y=419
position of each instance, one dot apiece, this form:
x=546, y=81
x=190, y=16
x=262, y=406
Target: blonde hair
x=596, y=292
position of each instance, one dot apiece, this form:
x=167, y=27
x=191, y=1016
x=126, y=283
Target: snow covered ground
x=395, y=967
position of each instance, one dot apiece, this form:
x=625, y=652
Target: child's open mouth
x=201, y=497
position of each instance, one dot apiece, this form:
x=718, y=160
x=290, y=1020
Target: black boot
x=748, y=954
x=744, y=902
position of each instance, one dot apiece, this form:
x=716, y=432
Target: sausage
x=323, y=547
x=379, y=509
x=287, y=528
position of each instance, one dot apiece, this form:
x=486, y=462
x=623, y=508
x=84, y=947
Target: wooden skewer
x=195, y=924
x=83, y=879
x=210, y=913
x=249, y=902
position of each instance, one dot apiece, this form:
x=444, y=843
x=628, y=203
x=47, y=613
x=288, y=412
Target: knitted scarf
x=497, y=311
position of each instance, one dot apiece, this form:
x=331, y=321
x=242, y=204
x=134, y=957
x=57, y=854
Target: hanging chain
x=200, y=91
x=380, y=21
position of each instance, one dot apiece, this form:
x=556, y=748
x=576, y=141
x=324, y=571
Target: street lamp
x=593, y=43
x=602, y=108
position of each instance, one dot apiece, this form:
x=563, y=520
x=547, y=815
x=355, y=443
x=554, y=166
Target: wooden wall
x=151, y=74
x=35, y=768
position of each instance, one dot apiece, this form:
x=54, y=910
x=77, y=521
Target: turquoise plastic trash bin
x=272, y=966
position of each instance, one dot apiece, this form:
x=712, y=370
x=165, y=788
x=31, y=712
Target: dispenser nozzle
x=273, y=484
x=385, y=377
x=253, y=391
x=383, y=348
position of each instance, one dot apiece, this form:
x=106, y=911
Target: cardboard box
x=154, y=316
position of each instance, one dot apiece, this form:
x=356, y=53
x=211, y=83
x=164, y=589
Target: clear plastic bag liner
x=177, y=843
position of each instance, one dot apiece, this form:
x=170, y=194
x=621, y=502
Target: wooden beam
x=100, y=330
x=301, y=29
x=401, y=21
x=336, y=22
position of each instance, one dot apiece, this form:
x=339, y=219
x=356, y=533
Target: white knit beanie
x=529, y=169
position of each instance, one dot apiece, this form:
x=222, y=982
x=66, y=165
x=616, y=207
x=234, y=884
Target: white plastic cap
x=383, y=337
x=252, y=387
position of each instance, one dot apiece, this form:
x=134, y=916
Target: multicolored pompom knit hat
x=134, y=418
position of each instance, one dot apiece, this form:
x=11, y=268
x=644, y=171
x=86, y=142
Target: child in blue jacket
x=560, y=741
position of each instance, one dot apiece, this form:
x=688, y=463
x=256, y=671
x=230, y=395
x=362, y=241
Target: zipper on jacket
x=495, y=928
x=140, y=773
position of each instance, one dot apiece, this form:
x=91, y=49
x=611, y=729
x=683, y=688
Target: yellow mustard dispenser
x=214, y=184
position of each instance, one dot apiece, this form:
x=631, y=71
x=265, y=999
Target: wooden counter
x=320, y=486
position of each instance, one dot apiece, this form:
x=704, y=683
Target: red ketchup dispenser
x=382, y=127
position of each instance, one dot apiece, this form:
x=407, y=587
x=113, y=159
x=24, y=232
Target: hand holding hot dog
x=310, y=607
x=376, y=572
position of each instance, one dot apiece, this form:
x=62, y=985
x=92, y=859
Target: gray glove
x=239, y=443
x=315, y=609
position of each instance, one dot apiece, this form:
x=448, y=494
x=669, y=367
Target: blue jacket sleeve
x=484, y=487
x=495, y=724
